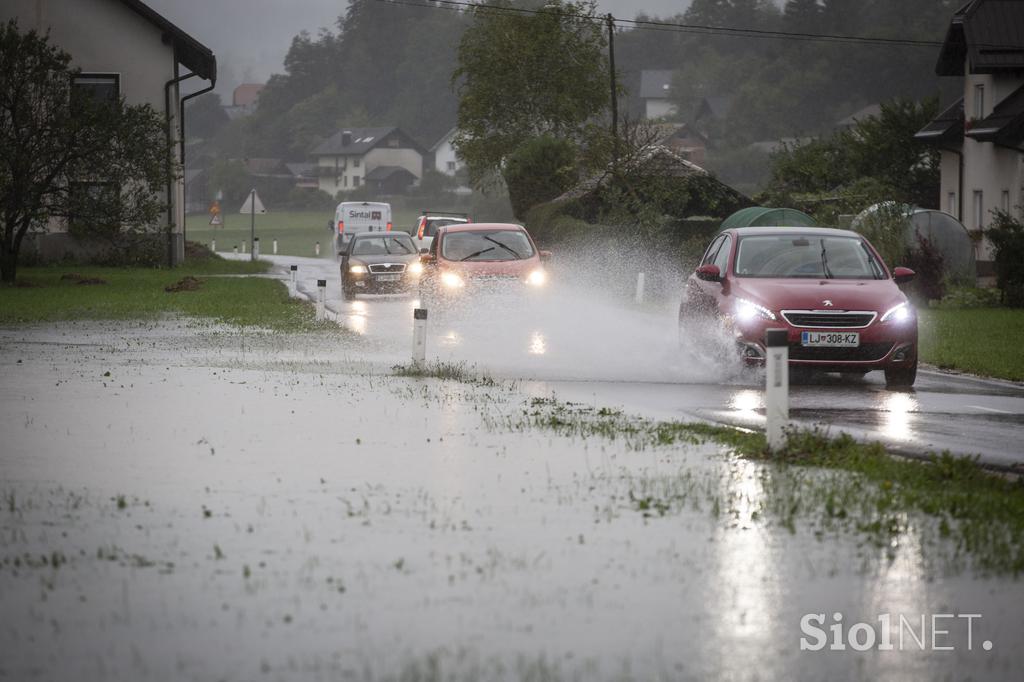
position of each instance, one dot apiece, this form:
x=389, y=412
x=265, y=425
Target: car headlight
x=537, y=278
x=748, y=310
x=416, y=268
x=897, y=313
x=358, y=270
x=451, y=280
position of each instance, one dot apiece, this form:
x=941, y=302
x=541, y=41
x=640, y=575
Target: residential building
x=980, y=135
x=123, y=48
x=683, y=140
x=388, y=159
x=655, y=91
x=445, y=159
x=244, y=100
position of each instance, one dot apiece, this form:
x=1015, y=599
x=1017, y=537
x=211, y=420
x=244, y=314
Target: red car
x=463, y=255
x=828, y=288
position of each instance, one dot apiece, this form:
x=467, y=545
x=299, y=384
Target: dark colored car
x=467, y=254
x=828, y=288
x=379, y=263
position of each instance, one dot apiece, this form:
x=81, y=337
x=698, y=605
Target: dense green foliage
x=877, y=159
x=1007, y=236
x=521, y=76
x=539, y=170
x=52, y=136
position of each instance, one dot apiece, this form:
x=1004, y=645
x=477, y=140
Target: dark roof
x=946, y=128
x=1006, y=122
x=655, y=83
x=987, y=33
x=195, y=56
x=301, y=170
x=716, y=106
x=382, y=173
x=361, y=141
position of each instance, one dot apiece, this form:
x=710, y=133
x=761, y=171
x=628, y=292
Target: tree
x=540, y=170
x=520, y=76
x=205, y=116
x=66, y=154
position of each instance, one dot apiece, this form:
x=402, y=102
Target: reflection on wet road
x=589, y=347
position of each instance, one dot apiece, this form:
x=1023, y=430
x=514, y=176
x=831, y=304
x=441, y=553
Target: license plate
x=830, y=339
x=388, y=278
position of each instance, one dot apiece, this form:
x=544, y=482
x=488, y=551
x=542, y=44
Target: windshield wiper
x=478, y=253
x=504, y=246
x=824, y=261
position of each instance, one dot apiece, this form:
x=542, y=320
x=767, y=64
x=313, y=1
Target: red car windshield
x=486, y=245
x=809, y=256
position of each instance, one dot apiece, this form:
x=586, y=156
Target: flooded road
x=186, y=502
x=586, y=346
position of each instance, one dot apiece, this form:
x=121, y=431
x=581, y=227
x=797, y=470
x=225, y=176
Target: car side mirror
x=903, y=275
x=545, y=255
x=709, y=273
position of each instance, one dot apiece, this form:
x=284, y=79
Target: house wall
x=406, y=158
x=105, y=36
x=659, y=108
x=444, y=154
x=989, y=170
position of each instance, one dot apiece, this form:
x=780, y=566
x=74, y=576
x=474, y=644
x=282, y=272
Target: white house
x=386, y=158
x=446, y=159
x=980, y=135
x=123, y=47
x=655, y=91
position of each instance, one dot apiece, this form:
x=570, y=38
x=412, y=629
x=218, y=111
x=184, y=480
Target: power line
x=651, y=25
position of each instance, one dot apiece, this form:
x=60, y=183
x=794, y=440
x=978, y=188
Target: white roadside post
x=419, y=336
x=275, y=247
x=234, y=249
x=245, y=246
x=321, y=299
x=316, y=249
x=291, y=284
x=256, y=248
x=213, y=245
x=776, y=397
x=640, y=288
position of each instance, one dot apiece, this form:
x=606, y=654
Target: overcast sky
x=251, y=37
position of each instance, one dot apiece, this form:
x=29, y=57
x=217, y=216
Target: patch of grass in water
x=831, y=484
x=448, y=371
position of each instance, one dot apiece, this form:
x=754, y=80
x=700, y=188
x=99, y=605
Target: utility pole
x=615, y=99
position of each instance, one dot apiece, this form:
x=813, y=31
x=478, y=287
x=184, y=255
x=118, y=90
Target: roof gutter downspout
x=181, y=122
x=168, y=111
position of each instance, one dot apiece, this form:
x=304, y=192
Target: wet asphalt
x=588, y=348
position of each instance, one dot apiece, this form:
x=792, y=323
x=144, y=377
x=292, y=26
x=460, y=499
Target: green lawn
x=985, y=341
x=44, y=294
x=296, y=232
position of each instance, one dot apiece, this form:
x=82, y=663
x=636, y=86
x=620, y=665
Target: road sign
x=216, y=220
x=253, y=202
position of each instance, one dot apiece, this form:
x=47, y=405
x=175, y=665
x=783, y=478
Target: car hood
x=385, y=258
x=499, y=268
x=812, y=294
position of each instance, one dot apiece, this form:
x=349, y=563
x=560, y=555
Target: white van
x=352, y=217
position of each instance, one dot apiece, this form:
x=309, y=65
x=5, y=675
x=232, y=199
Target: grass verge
x=47, y=294
x=449, y=371
x=957, y=511
x=983, y=341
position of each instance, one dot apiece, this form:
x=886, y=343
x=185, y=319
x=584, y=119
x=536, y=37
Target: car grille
x=866, y=352
x=827, y=318
x=382, y=268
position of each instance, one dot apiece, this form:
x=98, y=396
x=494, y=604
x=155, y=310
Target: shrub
x=929, y=265
x=1007, y=236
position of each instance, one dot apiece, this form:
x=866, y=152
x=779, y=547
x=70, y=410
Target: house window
x=393, y=142
x=344, y=181
x=951, y=204
x=95, y=87
x=979, y=210
x=355, y=162
x=1004, y=201
x=451, y=166
x=356, y=180
x=979, y=101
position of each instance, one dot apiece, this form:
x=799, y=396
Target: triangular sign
x=215, y=220
x=247, y=207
